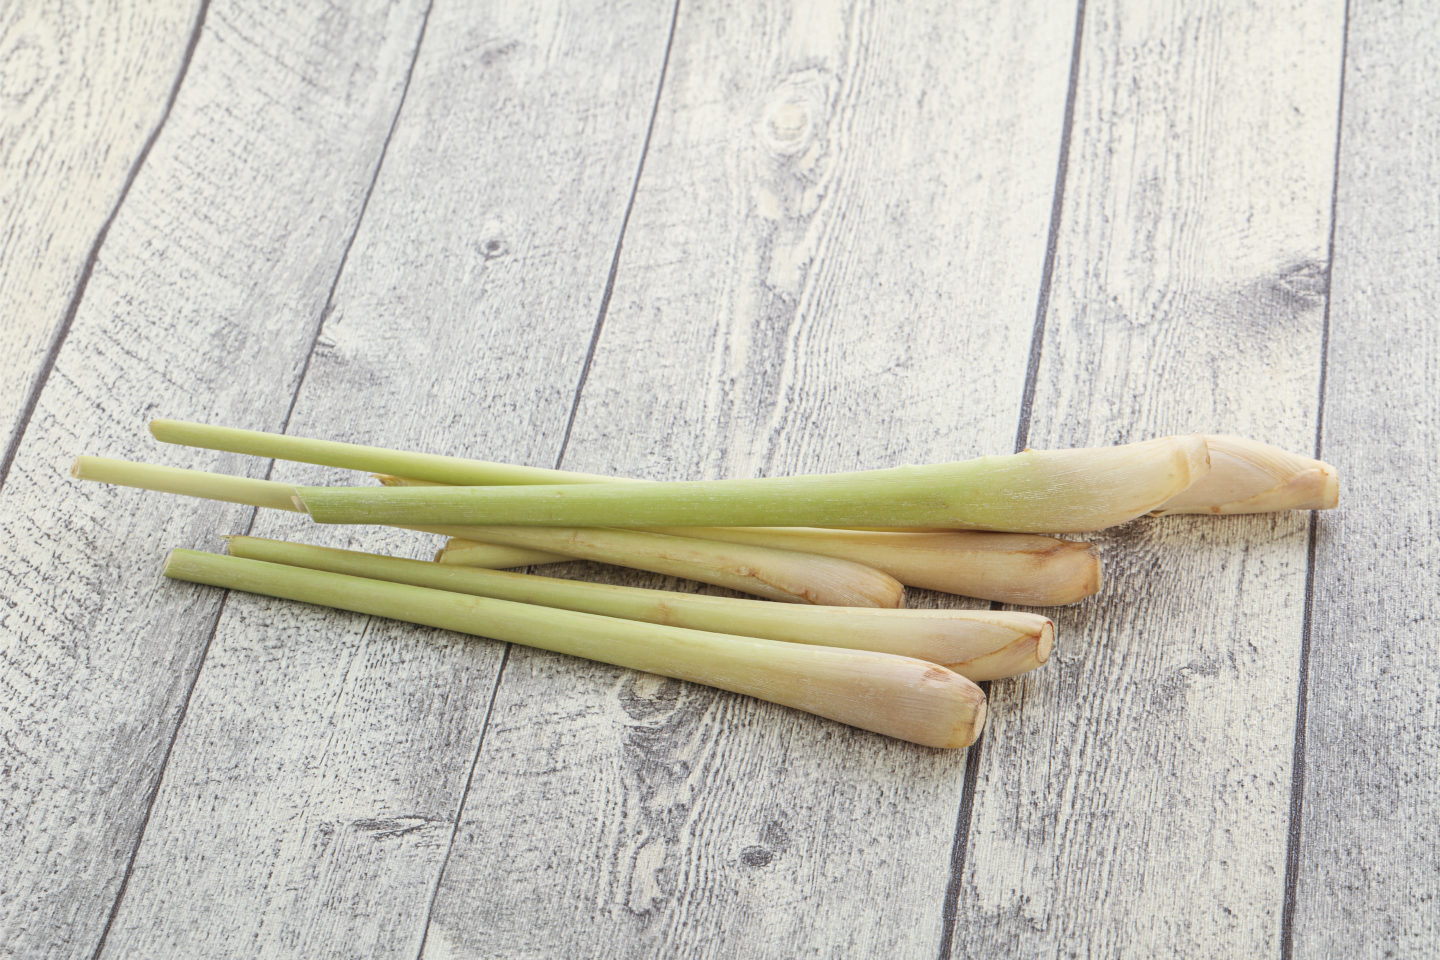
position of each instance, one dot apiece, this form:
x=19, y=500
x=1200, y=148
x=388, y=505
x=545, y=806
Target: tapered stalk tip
x=1248, y=476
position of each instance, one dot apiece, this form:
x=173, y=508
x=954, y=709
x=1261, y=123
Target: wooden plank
x=1132, y=800
x=1368, y=877
x=203, y=302
x=84, y=86
x=832, y=262
x=311, y=795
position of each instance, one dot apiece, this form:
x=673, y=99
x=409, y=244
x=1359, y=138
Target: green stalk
x=1026, y=570
x=457, y=471
x=1014, y=568
x=897, y=696
x=762, y=571
x=186, y=483
x=980, y=645
x=1037, y=491
x=255, y=493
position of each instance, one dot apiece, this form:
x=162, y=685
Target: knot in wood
x=794, y=114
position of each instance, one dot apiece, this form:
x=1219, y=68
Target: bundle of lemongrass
x=845, y=545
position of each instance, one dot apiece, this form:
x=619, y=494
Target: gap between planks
x=1294, y=832
x=949, y=908
x=299, y=384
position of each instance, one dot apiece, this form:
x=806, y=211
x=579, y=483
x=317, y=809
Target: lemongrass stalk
x=1247, y=476
x=968, y=488
x=762, y=571
x=1036, y=491
x=256, y=493
x=1021, y=569
x=186, y=483
x=1026, y=572
x=979, y=644
x=435, y=468
x=900, y=697
x=1008, y=567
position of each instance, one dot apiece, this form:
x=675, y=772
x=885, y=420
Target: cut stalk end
x=977, y=724
x=1046, y=643
x=1024, y=653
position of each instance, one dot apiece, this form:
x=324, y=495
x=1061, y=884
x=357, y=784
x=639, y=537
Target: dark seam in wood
x=950, y=908
x=57, y=340
x=460, y=806
x=299, y=383
x=159, y=778
x=1052, y=242
x=1297, y=760
x=619, y=244
x=560, y=457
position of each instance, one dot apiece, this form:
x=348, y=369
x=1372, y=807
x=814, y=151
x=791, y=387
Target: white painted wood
x=1368, y=878
x=1133, y=799
x=832, y=262
x=202, y=304
x=311, y=796
x=82, y=87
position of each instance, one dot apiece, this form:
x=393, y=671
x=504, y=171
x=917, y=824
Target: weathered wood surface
x=1368, y=874
x=833, y=259
x=204, y=298
x=780, y=306
x=83, y=88
x=310, y=800
x=1133, y=797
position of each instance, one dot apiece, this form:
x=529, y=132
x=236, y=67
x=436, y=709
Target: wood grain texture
x=1132, y=798
x=82, y=88
x=832, y=262
x=1368, y=878
x=204, y=300
x=312, y=792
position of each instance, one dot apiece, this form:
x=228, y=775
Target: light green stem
x=1056, y=491
x=186, y=483
x=979, y=644
x=773, y=574
x=1028, y=571
x=897, y=696
x=1014, y=568
x=256, y=493
x=353, y=456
